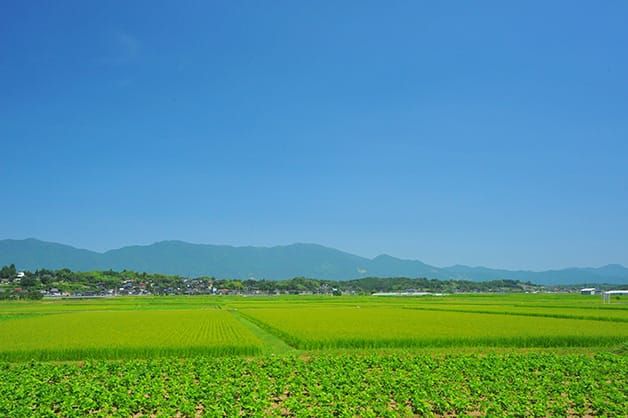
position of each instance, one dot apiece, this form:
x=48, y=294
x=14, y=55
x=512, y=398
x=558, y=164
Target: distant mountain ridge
x=280, y=262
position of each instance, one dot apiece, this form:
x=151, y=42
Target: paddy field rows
x=373, y=327
x=505, y=355
x=183, y=326
x=123, y=334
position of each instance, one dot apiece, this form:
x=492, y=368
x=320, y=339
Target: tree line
x=37, y=283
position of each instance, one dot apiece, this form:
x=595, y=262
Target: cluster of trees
x=34, y=284
x=19, y=294
x=401, y=284
x=294, y=285
x=371, y=285
x=18, y=290
x=8, y=272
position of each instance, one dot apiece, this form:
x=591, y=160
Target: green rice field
x=182, y=326
x=459, y=355
x=122, y=334
x=347, y=327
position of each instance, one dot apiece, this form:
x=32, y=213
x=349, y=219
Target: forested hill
x=280, y=262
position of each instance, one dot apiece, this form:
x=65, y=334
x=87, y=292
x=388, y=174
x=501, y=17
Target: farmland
x=359, y=384
x=119, y=334
x=315, y=356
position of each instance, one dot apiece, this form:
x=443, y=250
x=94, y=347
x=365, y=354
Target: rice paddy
x=184, y=326
x=372, y=327
x=124, y=334
x=502, y=355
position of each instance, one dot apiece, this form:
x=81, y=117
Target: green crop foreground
x=366, y=385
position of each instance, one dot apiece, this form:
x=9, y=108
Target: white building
x=606, y=296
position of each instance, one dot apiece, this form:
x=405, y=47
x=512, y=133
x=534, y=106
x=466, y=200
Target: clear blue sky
x=484, y=133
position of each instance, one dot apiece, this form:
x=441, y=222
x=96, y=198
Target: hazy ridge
x=279, y=262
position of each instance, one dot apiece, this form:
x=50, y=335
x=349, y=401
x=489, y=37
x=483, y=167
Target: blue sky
x=482, y=133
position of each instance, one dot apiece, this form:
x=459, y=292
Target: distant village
x=64, y=283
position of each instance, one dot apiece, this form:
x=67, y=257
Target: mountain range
x=280, y=262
